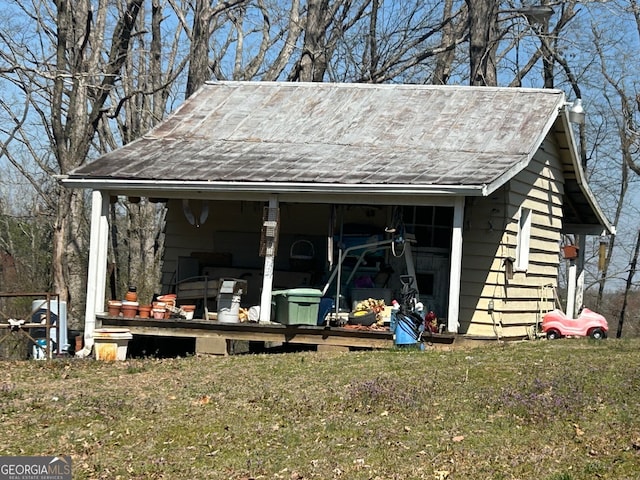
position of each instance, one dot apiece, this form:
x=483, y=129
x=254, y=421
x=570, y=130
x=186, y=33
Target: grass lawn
x=558, y=410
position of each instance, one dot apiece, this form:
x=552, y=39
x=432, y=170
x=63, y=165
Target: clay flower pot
x=158, y=313
x=169, y=300
x=114, y=307
x=188, y=311
x=144, y=311
x=131, y=295
x=129, y=309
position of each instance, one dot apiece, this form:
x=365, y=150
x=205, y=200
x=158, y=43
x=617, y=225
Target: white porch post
x=269, y=260
x=97, y=272
x=571, y=290
x=579, y=298
x=575, y=279
x=453, y=314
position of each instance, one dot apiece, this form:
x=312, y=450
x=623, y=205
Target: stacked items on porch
x=371, y=312
x=163, y=307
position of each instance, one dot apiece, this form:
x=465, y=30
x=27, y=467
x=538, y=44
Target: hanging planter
x=570, y=252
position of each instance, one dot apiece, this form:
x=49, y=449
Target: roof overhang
x=580, y=204
x=286, y=191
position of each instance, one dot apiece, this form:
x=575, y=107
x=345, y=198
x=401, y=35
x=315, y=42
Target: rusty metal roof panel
x=339, y=133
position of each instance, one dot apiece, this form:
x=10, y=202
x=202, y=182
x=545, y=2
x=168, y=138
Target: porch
x=213, y=337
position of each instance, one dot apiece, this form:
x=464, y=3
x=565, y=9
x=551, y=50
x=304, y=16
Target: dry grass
x=562, y=410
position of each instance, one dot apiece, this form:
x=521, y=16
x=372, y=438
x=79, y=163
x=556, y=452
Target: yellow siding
x=490, y=237
x=488, y=330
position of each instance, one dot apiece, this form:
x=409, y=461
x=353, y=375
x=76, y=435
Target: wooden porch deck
x=215, y=337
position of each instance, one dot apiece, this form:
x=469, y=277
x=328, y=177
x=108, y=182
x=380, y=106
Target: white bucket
x=228, y=308
x=111, y=343
x=59, y=309
x=254, y=313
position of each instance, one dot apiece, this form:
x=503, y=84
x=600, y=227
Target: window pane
x=425, y=282
x=424, y=236
x=424, y=215
x=442, y=238
x=432, y=227
x=444, y=217
x=408, y=215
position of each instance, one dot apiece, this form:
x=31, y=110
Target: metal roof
x=327, y=137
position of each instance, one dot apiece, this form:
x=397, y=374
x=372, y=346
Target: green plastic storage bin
x=297, y=306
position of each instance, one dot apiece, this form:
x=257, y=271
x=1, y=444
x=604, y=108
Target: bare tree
x=451, y=31
x=148, y=77
x=25, y=262
x=483, y=18
x=621, y=102
x=629, y=283
x=312, y=64
x=68, y=92
x=102, y=87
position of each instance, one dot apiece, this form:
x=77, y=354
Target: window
x=523, y=240
x=426, y=283
x=431, y=225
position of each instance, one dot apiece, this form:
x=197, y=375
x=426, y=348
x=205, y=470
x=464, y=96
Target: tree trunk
x=483, y=43
x=144, y=226
x=159, y=87
x=76, y=112
x=627, y=290
x=627, y=136
x=199, y=50
x=294, y=30
x=444, y=61
x=371, y=61
x=548, y=57
x=313, y=63
x=69, y=274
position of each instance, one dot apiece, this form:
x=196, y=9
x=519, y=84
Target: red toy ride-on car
x=588, y=324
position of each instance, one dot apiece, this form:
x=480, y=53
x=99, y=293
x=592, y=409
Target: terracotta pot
x=570, y=252
x=158, y=313
x=114, y=307
x=169, y=300
x=144, y=311
x=188, y=311
x=129, y=311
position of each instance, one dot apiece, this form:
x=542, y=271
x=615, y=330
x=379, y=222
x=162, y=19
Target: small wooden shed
x=483, y=181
